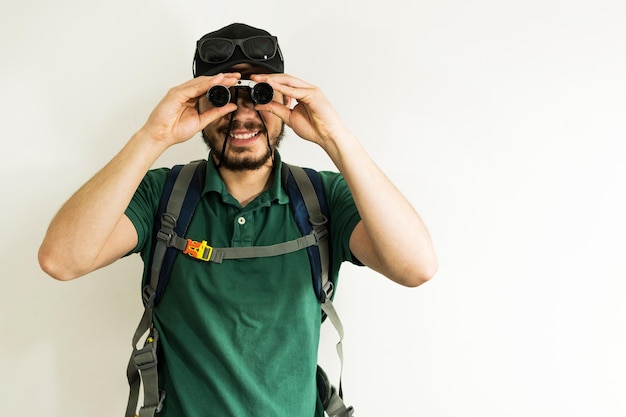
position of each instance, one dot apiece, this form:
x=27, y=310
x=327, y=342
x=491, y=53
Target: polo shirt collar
x=213, y=182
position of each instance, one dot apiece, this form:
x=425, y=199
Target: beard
x=233, y=158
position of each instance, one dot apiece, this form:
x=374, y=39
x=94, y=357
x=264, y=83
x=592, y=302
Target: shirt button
x=241, y=220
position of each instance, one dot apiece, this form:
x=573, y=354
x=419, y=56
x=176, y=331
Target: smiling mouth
x=244, y=136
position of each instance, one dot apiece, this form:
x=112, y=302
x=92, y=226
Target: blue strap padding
x=304, y=224
x=183, y=220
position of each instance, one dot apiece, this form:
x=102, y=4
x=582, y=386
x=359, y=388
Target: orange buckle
x=198, y=250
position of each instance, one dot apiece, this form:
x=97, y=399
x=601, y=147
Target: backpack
x=181, y=194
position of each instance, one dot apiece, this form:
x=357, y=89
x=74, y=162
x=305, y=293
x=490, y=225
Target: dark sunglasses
x=218, y=50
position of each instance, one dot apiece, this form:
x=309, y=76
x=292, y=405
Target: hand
x=312, y=118
x=176, y=118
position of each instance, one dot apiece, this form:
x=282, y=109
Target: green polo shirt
x=240, y=338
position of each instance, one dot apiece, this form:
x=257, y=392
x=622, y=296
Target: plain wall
x=501, y=121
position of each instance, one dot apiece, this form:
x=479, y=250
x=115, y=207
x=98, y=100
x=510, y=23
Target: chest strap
x=203, y=251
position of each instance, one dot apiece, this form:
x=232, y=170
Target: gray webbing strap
x=337, y=408
x=140, y=358
x=331, y=313
x=172, y=211
x=303, y=242
x=142, y=366
x=318, y=220
x=142, y=369
x=219, y=254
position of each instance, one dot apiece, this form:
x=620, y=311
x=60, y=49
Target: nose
x=241, y=96
x=243, y=101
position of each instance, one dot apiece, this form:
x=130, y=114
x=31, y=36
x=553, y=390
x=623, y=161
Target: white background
x=502, y=121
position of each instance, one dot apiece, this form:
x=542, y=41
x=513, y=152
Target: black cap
x=236, y=31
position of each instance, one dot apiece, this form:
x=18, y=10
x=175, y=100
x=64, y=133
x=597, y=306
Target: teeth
x=244, y=136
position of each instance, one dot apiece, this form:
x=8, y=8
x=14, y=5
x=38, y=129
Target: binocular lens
x=218, y=96
x=260, y=93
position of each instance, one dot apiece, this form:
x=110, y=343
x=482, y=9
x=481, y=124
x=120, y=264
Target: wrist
x=151, y=142
x=341, y=144
x=143, y=150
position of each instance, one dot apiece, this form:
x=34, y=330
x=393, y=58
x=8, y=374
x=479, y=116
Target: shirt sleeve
x=144, y=205
x=344, y=217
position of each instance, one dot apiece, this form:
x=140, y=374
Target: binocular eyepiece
x=260, y=93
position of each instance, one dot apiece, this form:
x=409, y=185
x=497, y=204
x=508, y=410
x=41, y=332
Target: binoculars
x=260, y=93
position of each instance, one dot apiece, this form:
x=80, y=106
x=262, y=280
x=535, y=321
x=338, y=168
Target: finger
x=277, y=109
x=290, y=86
x=283, y=79
x=216, y=113
x=196, y=87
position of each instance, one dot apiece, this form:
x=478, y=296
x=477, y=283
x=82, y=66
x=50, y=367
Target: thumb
x=215, y=113
x=278, y=110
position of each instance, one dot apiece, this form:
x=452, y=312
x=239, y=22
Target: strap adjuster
x=146, y=357
x=328, y=290
x=319, y=220
x=148, y=296
x=166, y=232
x=198, y=249
x=165, y=235
x=320, y=235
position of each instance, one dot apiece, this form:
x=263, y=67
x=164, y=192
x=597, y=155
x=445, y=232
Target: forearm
x=396, y=241
x=91, y=230
x=79, y=232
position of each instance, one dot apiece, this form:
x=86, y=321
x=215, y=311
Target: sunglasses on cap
x=218, y=50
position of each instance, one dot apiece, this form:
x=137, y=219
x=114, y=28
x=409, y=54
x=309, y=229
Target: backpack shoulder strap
x=181, y=193
x=310, y=210
x=308, y=200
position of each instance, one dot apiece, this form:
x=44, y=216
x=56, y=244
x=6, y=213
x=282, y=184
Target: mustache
x=247, y=125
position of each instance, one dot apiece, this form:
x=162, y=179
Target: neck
x=246, y=185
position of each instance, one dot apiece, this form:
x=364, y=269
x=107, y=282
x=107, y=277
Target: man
x=240, y=338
